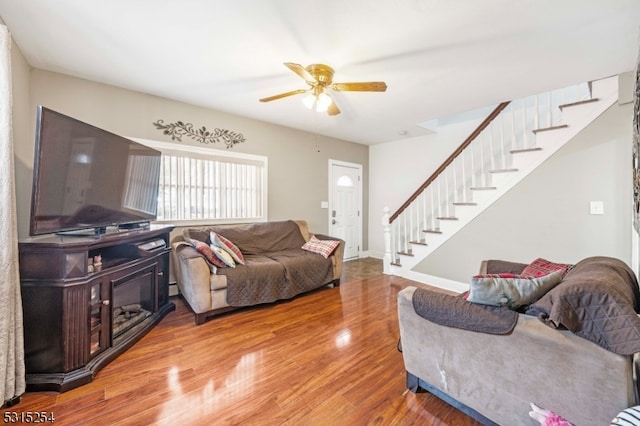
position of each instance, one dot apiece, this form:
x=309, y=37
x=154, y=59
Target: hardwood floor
x=325, y=358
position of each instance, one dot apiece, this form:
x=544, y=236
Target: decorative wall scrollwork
x=179, y=129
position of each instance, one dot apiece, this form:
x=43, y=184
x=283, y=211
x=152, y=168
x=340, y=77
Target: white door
x=345, y=205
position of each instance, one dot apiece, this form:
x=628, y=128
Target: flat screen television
x=86, y=179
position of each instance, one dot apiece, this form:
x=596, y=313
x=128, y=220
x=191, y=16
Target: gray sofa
x=494, y=378
x=276, y=267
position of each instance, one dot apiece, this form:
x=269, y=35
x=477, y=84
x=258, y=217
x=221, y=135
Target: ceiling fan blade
x=301, y=71
x=333, y=109
x=365, y=86
x=283, y=95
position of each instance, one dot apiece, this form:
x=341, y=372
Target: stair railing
x=509, y=128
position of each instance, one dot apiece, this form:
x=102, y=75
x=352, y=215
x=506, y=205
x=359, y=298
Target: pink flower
x=546, y=417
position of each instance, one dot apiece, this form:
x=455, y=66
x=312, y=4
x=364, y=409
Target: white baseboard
x=443, y=283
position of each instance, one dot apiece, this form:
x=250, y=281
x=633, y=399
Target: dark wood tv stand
x=78, y=317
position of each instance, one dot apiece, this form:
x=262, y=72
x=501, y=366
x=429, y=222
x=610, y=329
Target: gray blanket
x=597, y=300
x=276, y=266
x=454, y=311
x=276, y=276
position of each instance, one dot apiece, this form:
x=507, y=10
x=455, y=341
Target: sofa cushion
x=541, y=267
x=321, y=247
x=261, y=237
x=220, y=241
x=512, y=291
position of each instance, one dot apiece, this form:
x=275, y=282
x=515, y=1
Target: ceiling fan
x=319, y=77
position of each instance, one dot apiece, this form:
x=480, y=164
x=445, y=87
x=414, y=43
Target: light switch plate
x=596, y=207
x=324, y=204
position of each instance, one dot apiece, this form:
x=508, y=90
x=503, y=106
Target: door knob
x=333, y=221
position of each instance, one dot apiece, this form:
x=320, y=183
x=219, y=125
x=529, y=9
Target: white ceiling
x=438, y=57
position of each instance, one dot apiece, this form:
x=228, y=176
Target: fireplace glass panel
x=132, y=301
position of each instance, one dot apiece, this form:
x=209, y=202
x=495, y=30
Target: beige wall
x=298, y=161
x=22, y=136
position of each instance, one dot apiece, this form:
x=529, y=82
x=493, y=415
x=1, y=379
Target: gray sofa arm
x=494, y=266
x=498, y=376
x=193, y=276
x=336, y=257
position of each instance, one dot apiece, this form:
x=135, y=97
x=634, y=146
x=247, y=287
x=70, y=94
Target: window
x=140, y=184
x=207, y=185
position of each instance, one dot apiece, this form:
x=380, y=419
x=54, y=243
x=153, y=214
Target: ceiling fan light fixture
x=309, y=100
x=323, y=102
x=319, y=77
x=318, y=102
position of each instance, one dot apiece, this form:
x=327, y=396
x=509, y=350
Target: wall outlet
x=324, y=204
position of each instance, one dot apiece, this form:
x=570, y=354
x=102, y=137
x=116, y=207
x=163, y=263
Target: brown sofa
x=494, y=378
x=275, y=266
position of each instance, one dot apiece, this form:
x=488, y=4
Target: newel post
x=386, y=261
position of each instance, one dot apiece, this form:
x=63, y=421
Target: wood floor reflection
x=326, y=358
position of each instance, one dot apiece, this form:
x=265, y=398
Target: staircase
x=511, y=142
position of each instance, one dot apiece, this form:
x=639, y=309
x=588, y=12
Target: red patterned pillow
x=222, y=242
x=541, y=267
x=207, y=252
x=322, y=247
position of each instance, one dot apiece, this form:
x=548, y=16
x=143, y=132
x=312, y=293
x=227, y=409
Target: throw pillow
x=223, y=256
x=322, y=247
x=465, y=295
x=205, y=250
x=627, y=417
x=222, y=242
x=512, y=291
x=541, y=267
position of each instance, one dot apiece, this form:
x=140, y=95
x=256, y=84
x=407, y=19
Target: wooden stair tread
x=432, y=231
x=518, y=151
x=447, y=218
x=547, y=129
x=464, y=203
x=396, y=263
x=420, y=243
x=503, y=170
x=572, y=104
x=482, y=188
x=405, y=253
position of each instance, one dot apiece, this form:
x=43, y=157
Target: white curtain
x=12, y=372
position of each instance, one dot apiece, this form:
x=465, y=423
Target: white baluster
x=550, y=109
x=433, y=204
x=525, y=139
x=386, y=226
x=482, y=166
x=470, y=167
x=416, y=224
x=455, y=182
x=492, y=163
x=464, y=177
x=423, y=221
x=398, y=248
x=513, y=143
x=446, y=191
x=405, y=246
x=578, y=95
x=536, y=123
